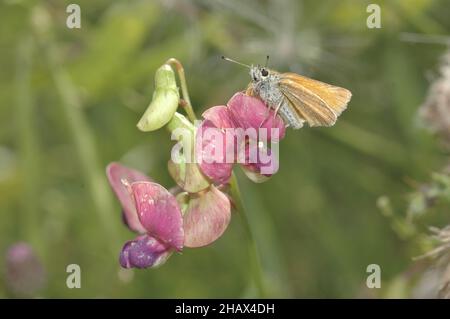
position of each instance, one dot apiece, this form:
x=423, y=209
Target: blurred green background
x=70, y=100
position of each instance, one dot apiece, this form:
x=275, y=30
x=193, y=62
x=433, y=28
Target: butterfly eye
x=264, y=72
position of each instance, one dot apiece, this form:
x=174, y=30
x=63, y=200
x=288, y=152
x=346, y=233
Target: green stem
x=27, y=145
x=187, y=101
x=82, y=137
x=256, y=268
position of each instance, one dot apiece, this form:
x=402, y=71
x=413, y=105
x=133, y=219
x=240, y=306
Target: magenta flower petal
x=143, y=252
x=214, y=152
x=206, y=218
x=220, y=116
x=159, y=213
x=251, y=112
x=117, y=175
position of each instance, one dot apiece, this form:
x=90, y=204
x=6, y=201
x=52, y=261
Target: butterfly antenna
x=267, y=61
x=234, y=61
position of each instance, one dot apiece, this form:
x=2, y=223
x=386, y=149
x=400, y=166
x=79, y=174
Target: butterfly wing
x=318, y=103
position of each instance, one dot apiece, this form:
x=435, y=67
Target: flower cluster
x=197, y=211
x=243, y=128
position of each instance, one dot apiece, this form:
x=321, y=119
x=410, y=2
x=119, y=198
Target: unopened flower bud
x=164, y=103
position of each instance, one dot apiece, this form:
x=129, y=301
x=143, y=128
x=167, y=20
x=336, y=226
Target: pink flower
x=148, y=209
x=199, y=213
x=165, y=223
x=25, y=274
x=238, y=132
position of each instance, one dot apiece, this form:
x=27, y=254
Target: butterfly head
x=259, y=73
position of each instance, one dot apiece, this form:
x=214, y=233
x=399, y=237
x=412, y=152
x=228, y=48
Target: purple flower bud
x=25, y=274
x=143, y=252
x=206, y=218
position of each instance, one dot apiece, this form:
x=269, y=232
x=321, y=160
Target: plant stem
x=255, y=267
x=82, y=137
x=27, y=144
x=187, y=101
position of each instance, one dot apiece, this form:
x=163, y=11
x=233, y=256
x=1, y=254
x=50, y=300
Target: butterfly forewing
x=318, y=103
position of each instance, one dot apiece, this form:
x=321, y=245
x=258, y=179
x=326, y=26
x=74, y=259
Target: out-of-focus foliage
x=70, y=100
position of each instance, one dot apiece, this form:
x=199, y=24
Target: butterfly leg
x=277, y=108
x=266, y=115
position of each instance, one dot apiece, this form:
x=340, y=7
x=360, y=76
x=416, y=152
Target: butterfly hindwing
x=318, y=103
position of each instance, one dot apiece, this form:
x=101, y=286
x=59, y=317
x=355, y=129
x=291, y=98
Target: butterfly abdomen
x=289, y=116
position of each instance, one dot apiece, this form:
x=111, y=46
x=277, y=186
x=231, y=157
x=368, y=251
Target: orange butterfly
x=297, y=98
